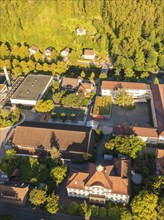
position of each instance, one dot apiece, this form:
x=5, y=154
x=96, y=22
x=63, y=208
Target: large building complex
x=140, y=92
x=102, y=183
x=31, y=90
x=73, y=141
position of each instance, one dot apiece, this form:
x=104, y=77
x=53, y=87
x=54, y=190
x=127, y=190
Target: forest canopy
x=130, y=31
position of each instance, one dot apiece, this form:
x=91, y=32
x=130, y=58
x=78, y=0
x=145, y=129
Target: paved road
x=27, y=213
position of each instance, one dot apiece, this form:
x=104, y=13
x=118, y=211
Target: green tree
x=83, y=74
x=44, y=106
x=61, y=67
x=144, y=206
x=102, y=212
x=123, y=98
x=55, y=154
x=114, y=213
x=55, y=86
x=160, y=209
x=125, y=214
x=72, y=208
x=38, y=56
x=86, y=209
x=5, y=52
x=92, y=76
x=52, y=204
x=37, y=197
x=156, y=80
x=133, y=145
x=59, y=173
x=103, y=76
x=10, y=152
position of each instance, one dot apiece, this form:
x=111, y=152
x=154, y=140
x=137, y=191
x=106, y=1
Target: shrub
x=53, y=115
x=73, y=117
x=102, y=212
x=72, y=208
x=63, y=116
x=99, y=135
x=94, y=210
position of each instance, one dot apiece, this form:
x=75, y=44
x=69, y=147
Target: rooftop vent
x=32, y=84
x=35, y=79
x=28, y=91
x=75, y=182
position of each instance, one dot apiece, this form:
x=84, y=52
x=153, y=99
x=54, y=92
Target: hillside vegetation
x=129, y=30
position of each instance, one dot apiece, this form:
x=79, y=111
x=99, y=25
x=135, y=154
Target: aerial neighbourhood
x=81, y=110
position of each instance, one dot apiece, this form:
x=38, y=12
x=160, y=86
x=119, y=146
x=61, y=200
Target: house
x=14, y=195
x=73, y=141
x=158, y=101
x=65, y=52
x=3, y=91
x=89, y=54
x=102, y=183
x=85, y=88
x=70, y=83
x=149, y=135
x=160, y=161
x=48, y=51
x=33, y=49
x=80, y=31
x=137, y=90
x=31, y=89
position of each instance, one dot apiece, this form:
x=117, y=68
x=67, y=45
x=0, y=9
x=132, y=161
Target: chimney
x=7, y=76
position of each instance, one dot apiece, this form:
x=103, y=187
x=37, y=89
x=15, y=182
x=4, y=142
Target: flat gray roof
x=32, y=87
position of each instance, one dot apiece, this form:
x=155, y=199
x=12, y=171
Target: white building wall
x=89, y=57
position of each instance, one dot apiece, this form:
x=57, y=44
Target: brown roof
x=70, y=82
x=89, y=52
x=139, y=131
x=73, y=139
x=158, y=98
x=160, y=160
x=13, y=193
x=111, y=177
x=128, y=85
x=84, y=87
x=34, y=47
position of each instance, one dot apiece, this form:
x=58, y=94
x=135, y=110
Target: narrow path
x=99, y=151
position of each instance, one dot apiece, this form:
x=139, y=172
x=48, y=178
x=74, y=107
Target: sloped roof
x=89, y=52
x=160, y=160
x=34, y=47
x=69, y=138
x=84, y=87
x=139, y=131
x=158, y=98
x=109, y=177
x=13, y=193
x=127, y=85
x=67, y=82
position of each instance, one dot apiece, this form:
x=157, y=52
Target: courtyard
x=139, y=116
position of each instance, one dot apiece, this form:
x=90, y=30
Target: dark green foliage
x=114, y=213
x=8, y=118
x=102, y=212
x=130, y=146
x=72, y=208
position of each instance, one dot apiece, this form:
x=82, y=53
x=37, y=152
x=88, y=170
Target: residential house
x=33, y=49
x=160, y=161
x=85, y=88
x=102, y=183
x=137, y=90
x=73, y=141
x=14, y=195
x=48, y=51
x=89, y=54
x=65, y=52
x=149, y=135
x=70, y=83
x=80, y=31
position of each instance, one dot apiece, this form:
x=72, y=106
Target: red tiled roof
x=158, y=98
x=89, y=52
x=114, y=177
x=34, y=47
x=139, y=131
x=128, y=85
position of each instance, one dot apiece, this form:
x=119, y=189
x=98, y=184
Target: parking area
x=140, y=116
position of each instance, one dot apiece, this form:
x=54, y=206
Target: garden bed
x=69, y=113
x=102, y=106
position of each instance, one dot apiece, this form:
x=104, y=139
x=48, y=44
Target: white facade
x=81, y=32
x=32, y=52
x=65, y=53
x=149, y=140
x=136, y=93
x=89, y=56
x=48, y=52
x=98, y=194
